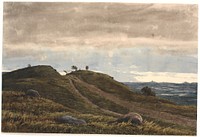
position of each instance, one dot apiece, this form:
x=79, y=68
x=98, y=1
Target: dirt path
x=80, y=95
x=87, y=100
x=134, y=106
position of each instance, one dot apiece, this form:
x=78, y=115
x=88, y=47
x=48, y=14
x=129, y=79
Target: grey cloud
x=82, y=19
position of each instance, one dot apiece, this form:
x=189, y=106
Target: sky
x=131, y=42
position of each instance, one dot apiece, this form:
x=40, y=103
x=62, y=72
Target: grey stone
x=134, y=118
x=71, y=120
x=32, y=93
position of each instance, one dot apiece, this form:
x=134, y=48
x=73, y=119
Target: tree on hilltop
x=29, y=65
x=74, y=68
x=86, y=67
x=65, y=71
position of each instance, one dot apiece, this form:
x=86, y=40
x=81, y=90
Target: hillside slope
x=88, y=92
x=153, y=107
x=52, y=85
x=38, y=115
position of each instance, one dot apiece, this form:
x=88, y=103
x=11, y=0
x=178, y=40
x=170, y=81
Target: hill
x=41, y=71
x=61, y=89
x=96, y=94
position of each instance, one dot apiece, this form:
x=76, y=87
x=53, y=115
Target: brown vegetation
x=94, y=97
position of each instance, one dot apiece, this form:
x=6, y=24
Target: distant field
x=183, y=94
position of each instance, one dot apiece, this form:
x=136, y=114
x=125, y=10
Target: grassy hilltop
x=95, y=97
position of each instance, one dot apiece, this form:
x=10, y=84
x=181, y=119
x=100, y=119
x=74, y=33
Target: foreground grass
x=37, y=115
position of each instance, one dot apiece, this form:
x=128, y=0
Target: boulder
x=71, y=120
x=134, y=118
x=32, y=93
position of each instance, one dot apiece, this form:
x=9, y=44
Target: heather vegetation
x=27, y=114
x=96, y=98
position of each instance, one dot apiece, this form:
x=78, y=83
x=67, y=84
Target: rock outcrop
x=32, y=93
x=134, y=118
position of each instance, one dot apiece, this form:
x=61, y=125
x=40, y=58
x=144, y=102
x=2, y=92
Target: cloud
x=22, y=50
x=125, y=64
x=143, y=55
x=113, y=38
x=24, y=22
x=108, y=42
x=164, y=76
